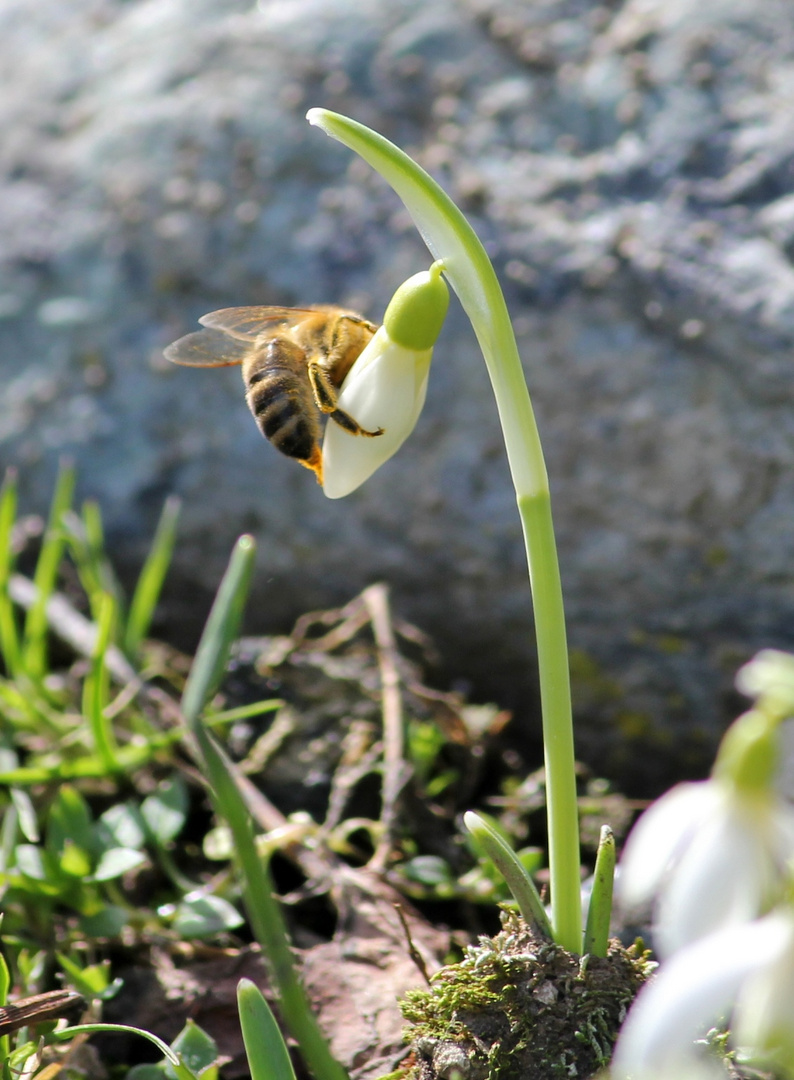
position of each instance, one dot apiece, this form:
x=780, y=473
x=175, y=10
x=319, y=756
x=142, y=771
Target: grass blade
x=36, y=627
x=96, y=689
x=268, y=1057
x=95, y=569
x=219, y=633
x=152, y=576
x=9, y=635
x=172, y=1058
x=263, y=909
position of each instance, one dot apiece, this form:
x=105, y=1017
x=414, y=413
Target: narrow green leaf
x=9, y=634
x=45, y=577
x=96, y=688
x=152, y=576
x=242, y=712
x=85, y=538
x=90, y=766
x=220, y=632
x=121, y=1029
x=268, y=1057
x=507, y=862
x=599, y=913
x=263, y=909
x=5, y=984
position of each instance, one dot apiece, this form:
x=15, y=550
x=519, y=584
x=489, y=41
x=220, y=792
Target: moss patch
x=520, y=1006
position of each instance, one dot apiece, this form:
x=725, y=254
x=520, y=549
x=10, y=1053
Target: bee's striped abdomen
x=279, y=396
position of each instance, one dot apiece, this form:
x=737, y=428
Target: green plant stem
x=451, y=239
x=555, y=695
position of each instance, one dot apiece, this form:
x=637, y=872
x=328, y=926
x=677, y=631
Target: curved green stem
x=451, y=239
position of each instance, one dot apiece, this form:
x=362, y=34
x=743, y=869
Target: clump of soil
x=520, y=1006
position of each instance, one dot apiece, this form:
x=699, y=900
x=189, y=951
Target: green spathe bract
x=417, y=310
x=468, y=269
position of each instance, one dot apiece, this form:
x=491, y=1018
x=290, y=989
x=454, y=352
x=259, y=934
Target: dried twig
x=396, y=772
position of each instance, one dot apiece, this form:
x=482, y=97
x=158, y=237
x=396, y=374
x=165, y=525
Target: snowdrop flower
x=714, y=853
x=764, y=1017
x=386, y=386
x=699, y=987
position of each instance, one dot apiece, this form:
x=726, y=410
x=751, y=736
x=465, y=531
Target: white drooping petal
x=722, y=878
x=764, y=1017
x=710, y=855
x=385, y=389
x=659, y=835
x=692, y=992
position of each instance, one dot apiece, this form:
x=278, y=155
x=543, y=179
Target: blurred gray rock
x=629, y=165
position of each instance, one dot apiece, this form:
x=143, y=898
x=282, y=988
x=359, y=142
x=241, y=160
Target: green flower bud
x=417, y=310
x=749, y=753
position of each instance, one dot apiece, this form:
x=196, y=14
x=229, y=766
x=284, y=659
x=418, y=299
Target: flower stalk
x=468, y=269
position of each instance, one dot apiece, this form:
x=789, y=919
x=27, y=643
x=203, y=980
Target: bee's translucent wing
x=207, y=348
x=247, y=323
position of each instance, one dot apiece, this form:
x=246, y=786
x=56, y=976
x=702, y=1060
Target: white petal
x=659, y=835
x=386, y=389
x=783, y=829
x=764, y=1018
x=721, y=879
x=692, y=991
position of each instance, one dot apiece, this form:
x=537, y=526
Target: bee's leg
x=325, y=396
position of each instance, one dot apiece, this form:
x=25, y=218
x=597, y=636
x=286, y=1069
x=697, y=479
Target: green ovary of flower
x=385, y=389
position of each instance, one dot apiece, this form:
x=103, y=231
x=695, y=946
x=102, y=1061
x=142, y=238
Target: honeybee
x=293, y=362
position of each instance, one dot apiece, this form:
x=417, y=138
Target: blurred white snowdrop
x=742, y=975
x=387, y=384
x=709, y=857
x=718, y=852
x=764, y=1016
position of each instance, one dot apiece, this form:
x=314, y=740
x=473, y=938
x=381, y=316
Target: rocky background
x=629, y=165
